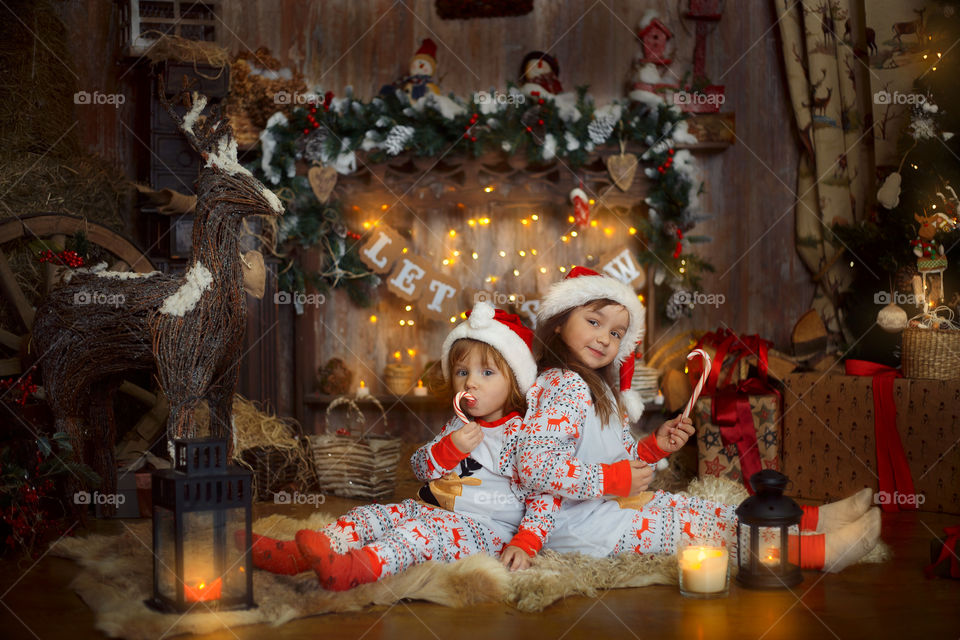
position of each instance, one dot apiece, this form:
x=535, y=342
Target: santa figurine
x=423, y=65
x=540, y=72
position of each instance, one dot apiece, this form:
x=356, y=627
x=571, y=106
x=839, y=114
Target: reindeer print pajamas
x=562, y=448
x=474, y=507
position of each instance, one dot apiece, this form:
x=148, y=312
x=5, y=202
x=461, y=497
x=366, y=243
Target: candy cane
x=705, y=358
x=463, y=395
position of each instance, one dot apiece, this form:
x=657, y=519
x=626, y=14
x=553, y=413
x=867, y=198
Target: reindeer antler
x=203, y=136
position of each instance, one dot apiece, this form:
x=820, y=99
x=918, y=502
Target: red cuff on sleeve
x=446, y=453
x=648, y=450
x=528, y=541
x=617, y=478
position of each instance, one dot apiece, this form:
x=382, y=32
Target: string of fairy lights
x=454, y=255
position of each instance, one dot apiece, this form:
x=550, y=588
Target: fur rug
x=117, y=577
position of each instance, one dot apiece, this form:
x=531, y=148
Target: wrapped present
x=738, y=425
x=719, y=445
x=833, y=443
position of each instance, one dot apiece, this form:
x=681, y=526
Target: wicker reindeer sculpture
x=102, y=324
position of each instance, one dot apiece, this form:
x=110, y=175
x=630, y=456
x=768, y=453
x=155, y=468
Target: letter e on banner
x=408, y=280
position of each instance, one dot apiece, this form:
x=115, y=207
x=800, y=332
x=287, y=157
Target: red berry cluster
x=466, y=128
x=28, y=522
x=328, y=96
x=353, y=235
x=68, y=258
x=667, y=163
x=21, y=387
x=679, y=247
x=343, y=432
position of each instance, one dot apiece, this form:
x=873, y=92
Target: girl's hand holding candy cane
x=673, y=434
x=470, y=435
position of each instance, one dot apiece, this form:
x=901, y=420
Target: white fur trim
x=197, y=280
x=482, y=327
x=575, y=292
x=633, y=403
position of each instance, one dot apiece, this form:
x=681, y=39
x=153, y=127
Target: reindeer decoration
x=931, y=259
x=190, y=328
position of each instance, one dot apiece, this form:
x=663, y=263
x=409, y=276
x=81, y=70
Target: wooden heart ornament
x=622, y=169
x=322, y=181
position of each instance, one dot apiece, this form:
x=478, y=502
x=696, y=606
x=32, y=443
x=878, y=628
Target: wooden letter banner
x=413, y=278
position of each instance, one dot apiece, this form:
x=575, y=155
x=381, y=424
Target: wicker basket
x=355, y=465
x=931, y=353
x=274, y=471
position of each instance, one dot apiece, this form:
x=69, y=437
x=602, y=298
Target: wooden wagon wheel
x=124, y=256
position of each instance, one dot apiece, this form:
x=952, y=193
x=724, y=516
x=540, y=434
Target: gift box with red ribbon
x=873, y=428
x=737, y=418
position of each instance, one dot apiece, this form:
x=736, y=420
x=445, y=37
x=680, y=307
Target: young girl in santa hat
x=576, y=443
x=469, y=505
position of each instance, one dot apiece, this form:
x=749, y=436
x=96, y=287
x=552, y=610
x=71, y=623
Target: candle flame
x=362, y=384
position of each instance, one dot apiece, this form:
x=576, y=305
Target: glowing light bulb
x=573, y=234
x=633, y=231
x=522, y=253
x=533, y=252
x=503, y=254
x=488, y=189
x=543, y=269
x=535, y=217
x=471, y=222
x=407, y=308
x=453, y=233
x=475, y=255
x=384, y=207
x=373, y=319
x=516, y=272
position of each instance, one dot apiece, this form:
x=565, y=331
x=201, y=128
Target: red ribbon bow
x=894, y=472
x=730, y=409
x=949, y=550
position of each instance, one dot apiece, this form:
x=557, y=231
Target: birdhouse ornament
x=542, y=71
x=654, y=36
x=423, y=65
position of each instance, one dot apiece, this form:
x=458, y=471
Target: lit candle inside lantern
x=703, y=570
x=770, y=556
x=200, y=591
x=659, y=399
x=363, y=391
x=420, y=390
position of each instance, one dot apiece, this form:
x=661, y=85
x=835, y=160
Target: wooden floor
x=892, y=600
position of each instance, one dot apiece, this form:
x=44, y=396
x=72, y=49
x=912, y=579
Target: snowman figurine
x=540, y=72
x=423, y=65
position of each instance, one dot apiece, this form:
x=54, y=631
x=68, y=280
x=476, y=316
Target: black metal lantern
x=198, y=508
x=765, y=522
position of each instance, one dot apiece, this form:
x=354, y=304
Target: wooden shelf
x=386, y=399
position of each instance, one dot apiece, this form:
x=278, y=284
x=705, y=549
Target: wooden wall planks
x=368, y=43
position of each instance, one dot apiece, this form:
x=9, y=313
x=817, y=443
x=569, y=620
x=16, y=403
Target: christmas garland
x=333, y=131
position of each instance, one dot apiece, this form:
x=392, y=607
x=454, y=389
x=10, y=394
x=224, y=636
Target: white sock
x=848, y=544
x=836, y=515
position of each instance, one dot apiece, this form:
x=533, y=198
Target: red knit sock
x=275, y=556
x=338, y=571
x=812, y=550
x=811, y=516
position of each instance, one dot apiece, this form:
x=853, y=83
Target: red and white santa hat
x=503, y=331
x=582, y=286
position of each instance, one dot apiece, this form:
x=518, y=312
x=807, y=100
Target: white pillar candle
x=703, y=569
